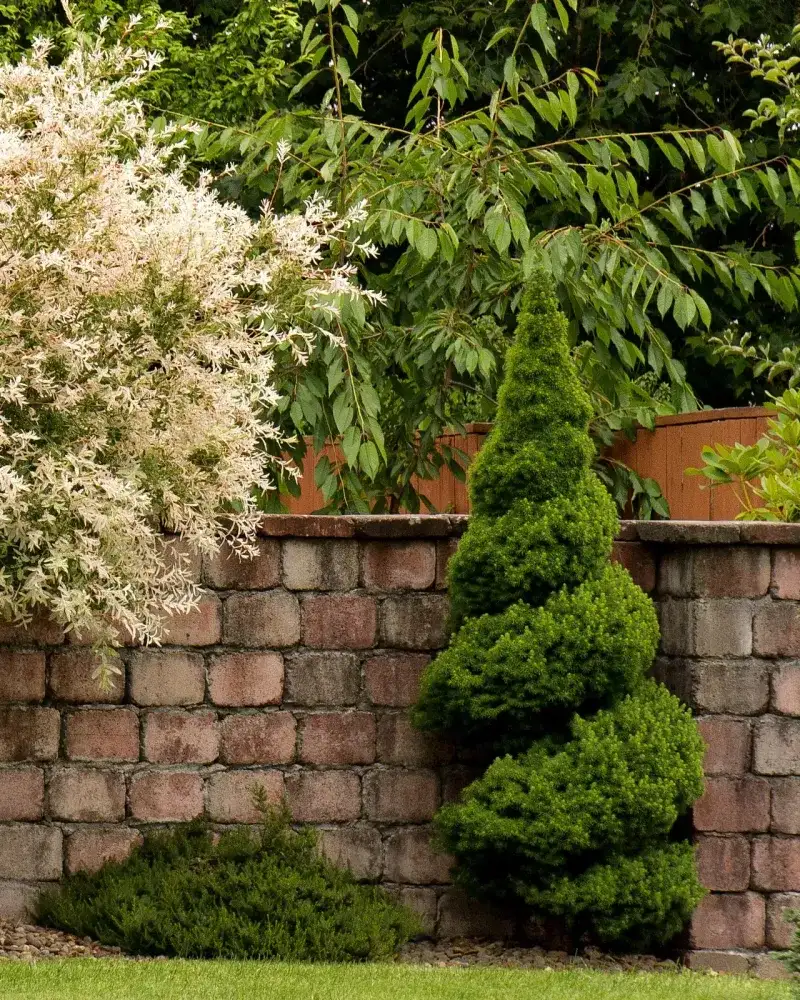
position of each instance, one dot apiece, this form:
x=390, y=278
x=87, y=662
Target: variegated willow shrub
x=140, y=319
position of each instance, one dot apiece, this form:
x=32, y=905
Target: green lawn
x=92, y=980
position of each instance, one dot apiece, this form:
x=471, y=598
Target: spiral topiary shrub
x=548, y=668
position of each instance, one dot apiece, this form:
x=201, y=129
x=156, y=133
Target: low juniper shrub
x=263, y=893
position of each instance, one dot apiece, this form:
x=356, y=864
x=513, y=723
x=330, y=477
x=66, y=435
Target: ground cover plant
x=248, y=894
x=83, y=980
x=548, y=669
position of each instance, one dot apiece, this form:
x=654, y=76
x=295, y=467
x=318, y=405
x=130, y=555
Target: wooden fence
x=663, y=454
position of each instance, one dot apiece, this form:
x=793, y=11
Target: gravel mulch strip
x=28, y=943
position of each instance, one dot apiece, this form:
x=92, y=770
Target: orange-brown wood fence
x=663, y=454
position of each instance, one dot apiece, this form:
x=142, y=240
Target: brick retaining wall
x=297, y=672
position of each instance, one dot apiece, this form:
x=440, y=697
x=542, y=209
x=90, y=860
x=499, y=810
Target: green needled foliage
x=549, y=666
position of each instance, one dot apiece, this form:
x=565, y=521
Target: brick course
x=297, y=672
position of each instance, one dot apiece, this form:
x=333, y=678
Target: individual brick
x=731, y=688
x=769, y=966
x=393, y=679
x=727, y=745
x=776, y=864
x=355, y=848
x=728, y=963
x=102, y=734
x=21, y=794
x=322, y=679
x=786, y=573
x=723, y=863
x=339, y=621
x=776, y=746
x=415, y=621
x=166, y=796
x=780, y=933
x=445, y=550
x=723, y=628
x=19, y=902
x=411, y=858
x=22, y=675
x=677, y=627
x=675, y=572
x=258, y=739
x=338, y=738
x=72, y=678
x=231, y=795
x=181, y=737
x=638, y=560
x=87, y=850
x=41, y=630
x=167, y=678
x=228, y=571
x=460, y=916
x=399, y=742
x=86, y=795
x=270, y=619
x=202, y=626
x=776, y=629
x=246, y=679
x=730, y=920
x=399, y=565
x=400, y=796
x=786, y=805
x=320, y=564
x=30, y=853
x=733, y=805
x=422, y=902
x=324, y=796
x=29, y=734
x=786, y=689
x=731, y=571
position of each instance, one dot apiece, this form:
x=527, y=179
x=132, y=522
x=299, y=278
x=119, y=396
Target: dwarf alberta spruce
x=548, y=668
x=140, y=319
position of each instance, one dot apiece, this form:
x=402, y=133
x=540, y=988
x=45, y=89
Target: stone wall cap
x=410, y=526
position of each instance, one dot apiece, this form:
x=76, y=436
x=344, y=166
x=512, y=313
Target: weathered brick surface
x=320, y=565
x=445, y=550
x=88, y=849
x=202, y=626
x=639, y=561
x=246, y=679
x=71, y=678
x=228, y=571
x=786, y=573
x=22, y=675
x=86, y=795
x=18, y=901
x=181, y=737
x=414, y=621
x=400, y=796
x=339, y=622
x=399, y=742
x=40, y=631
x=723, y=628
x=780, y=933
x=776, y=747
x=411, y=858
x=29, y=734
x=733, y=805
x=333, y=738
x=322, y=678
x=723, y=863
x=392, y=679
x=729, y=963
x=357, y=848
x=166, y=796
x=776, y=629
x=398, y=565
x=231, y=795
x=324, y=796
x=733, y=571
x=727, y=745
x=270, y=619
x=102, y=734
x=460, y=916
x=730, y=920
x=423, y=902
x=786, y=805
x=730, y=687
x=21, y=794
x=776, y=864
x=786, y=689
x=259, y=739
x=167, y=678
x=30, y=853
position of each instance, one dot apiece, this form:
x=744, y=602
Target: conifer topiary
x=548, y=668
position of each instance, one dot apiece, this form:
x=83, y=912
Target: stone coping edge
x=410, y=526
